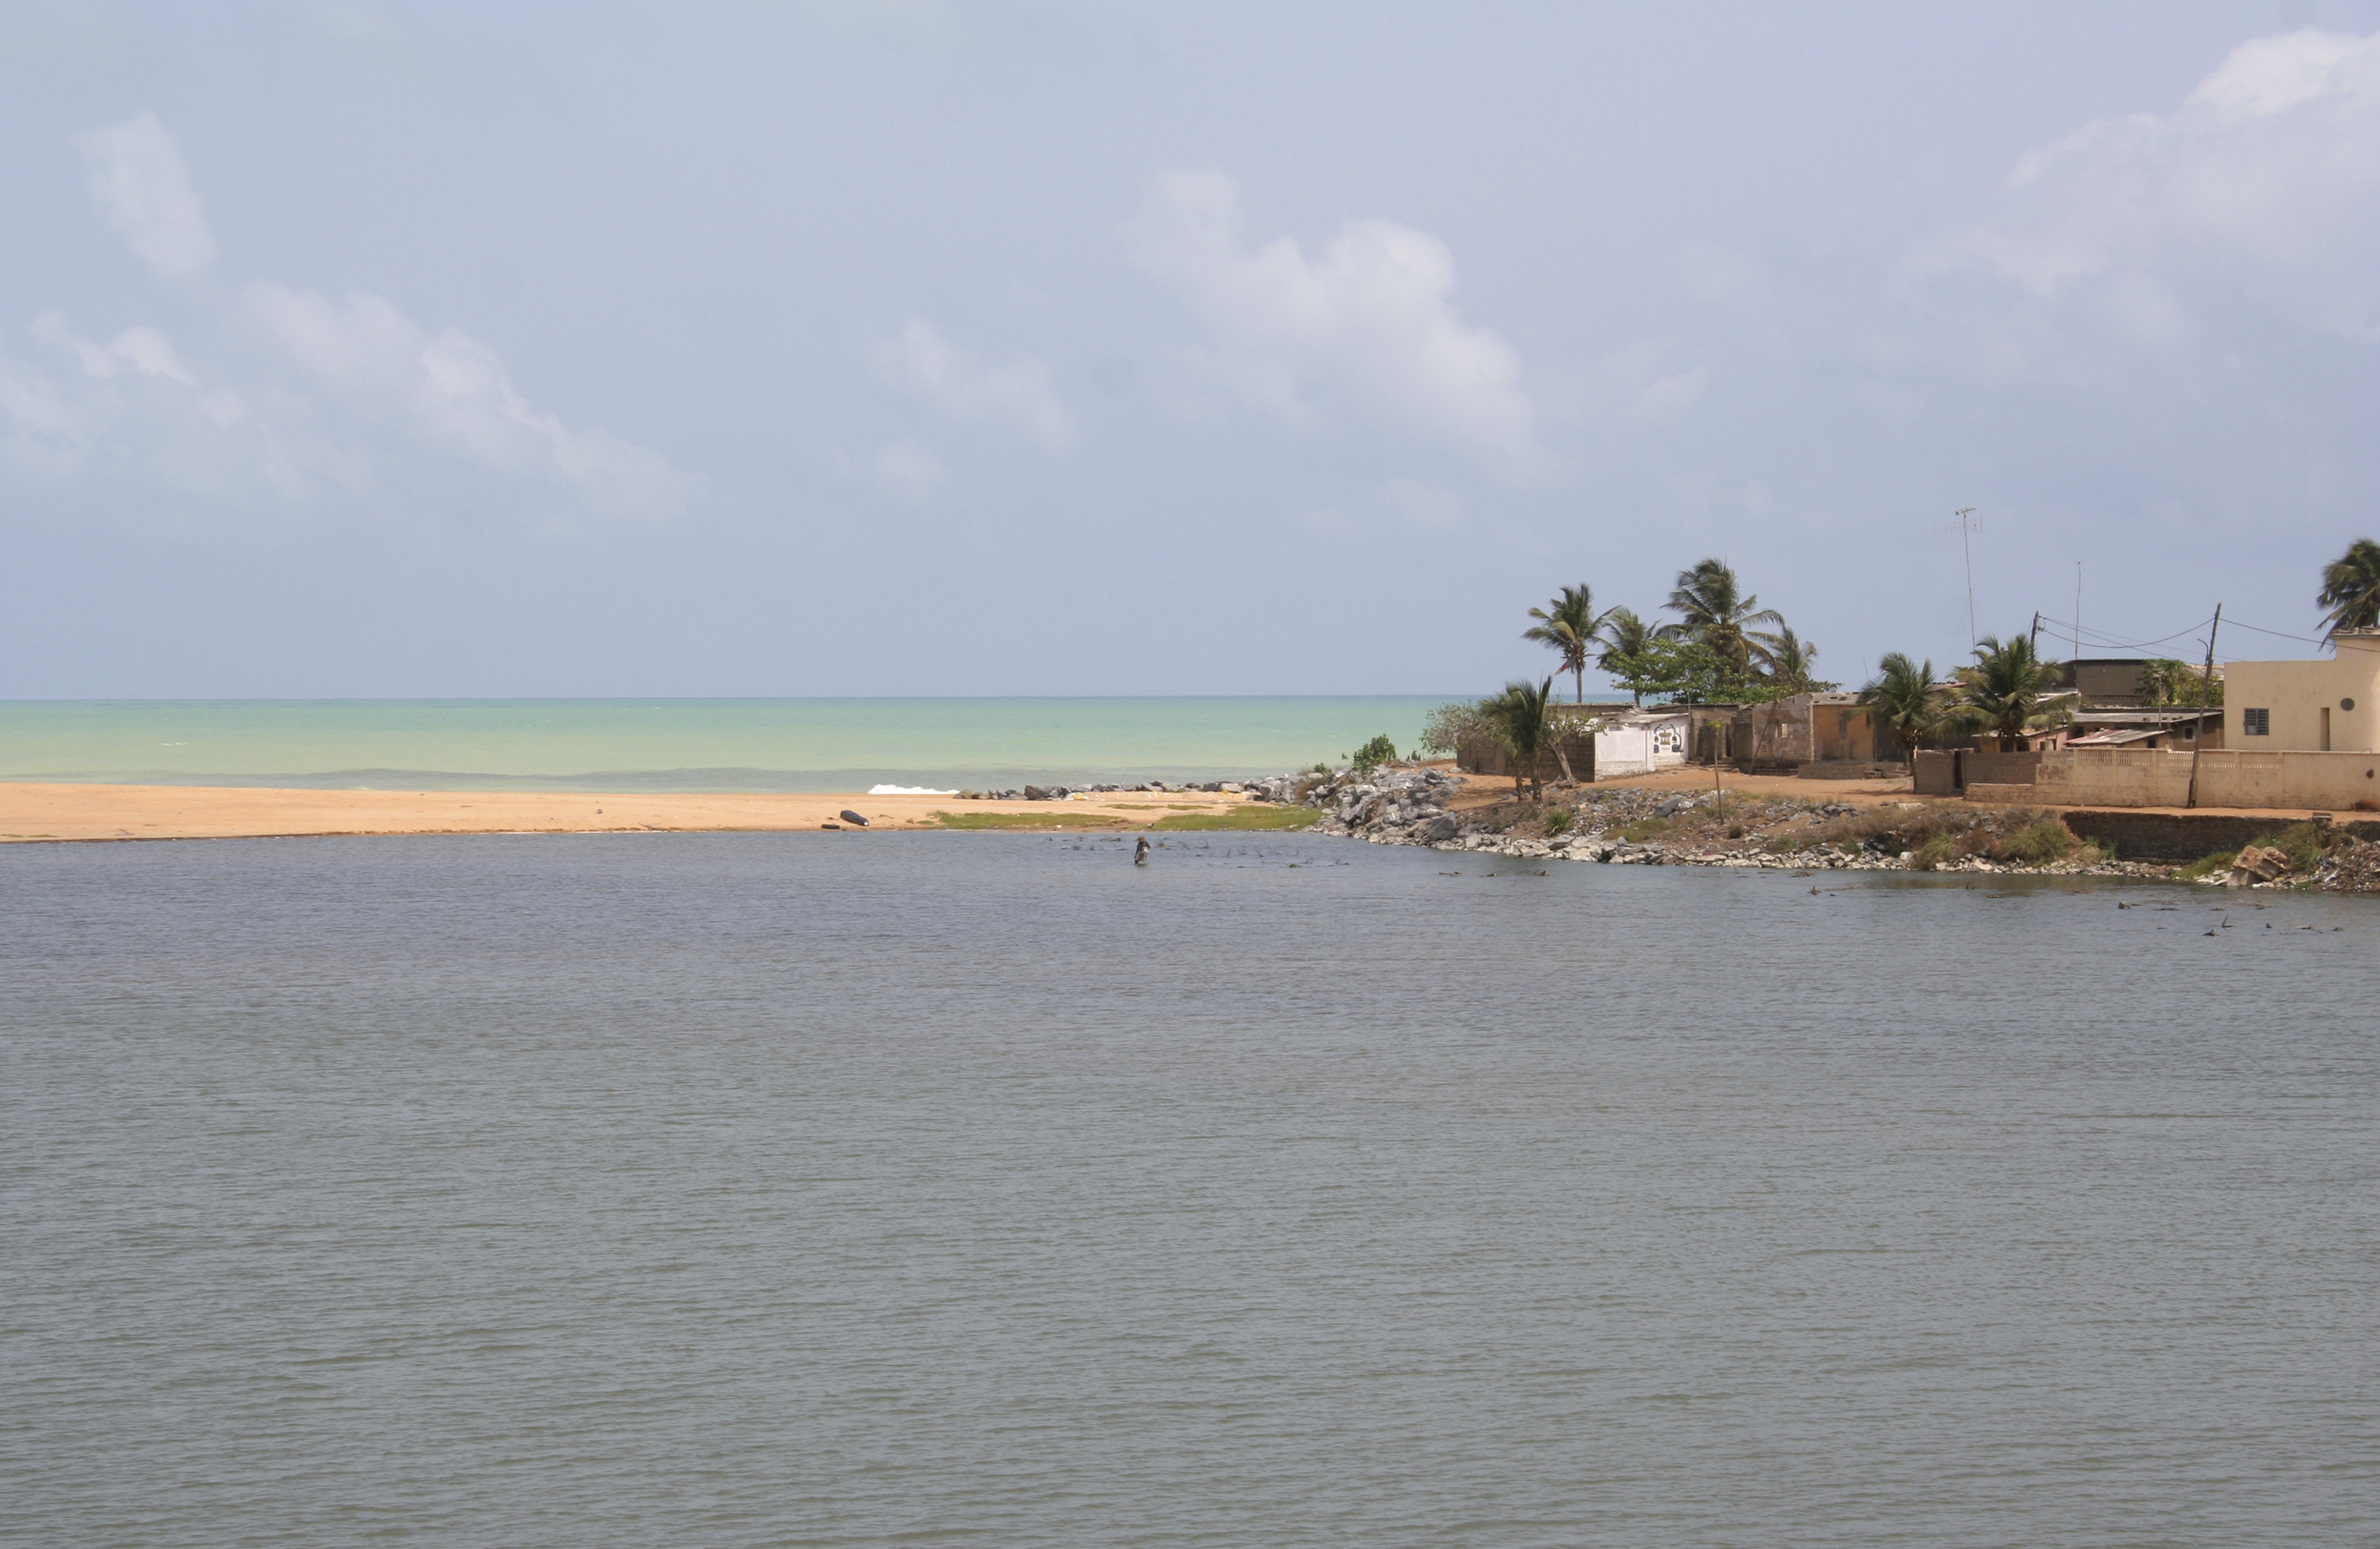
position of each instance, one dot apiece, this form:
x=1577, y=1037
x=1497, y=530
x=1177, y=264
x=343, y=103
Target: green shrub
x=2303, y=843
x=1372, y=754
x=1934, y=852
x=1445, y=729
x=1557, y=822
x=2039, y=843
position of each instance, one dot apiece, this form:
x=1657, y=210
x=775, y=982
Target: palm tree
x=1790, y=660
x=1570, y=627
x=2350, y=589
x=1714, y=613
x=2004, y=687
x=1901, y=698
x=1522, y=724
x=1626, y=639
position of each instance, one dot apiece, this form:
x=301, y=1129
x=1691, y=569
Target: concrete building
x=1640, y=741
x=2108, y=680
x=2307, y=707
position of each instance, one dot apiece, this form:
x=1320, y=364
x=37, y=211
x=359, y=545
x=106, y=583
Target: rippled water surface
x=875, y=1189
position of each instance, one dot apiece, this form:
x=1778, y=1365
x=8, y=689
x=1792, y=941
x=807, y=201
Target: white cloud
x=451, y=389
x=1426, y=507
x=2270, y=170
x=1017, y=396
x=143, y=192
x=907, y=472
x=333, y=397
x=1371, y=318
x=1673, y=394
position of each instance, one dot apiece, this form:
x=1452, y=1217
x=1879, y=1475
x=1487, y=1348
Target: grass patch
x=2303, y=843
x=1939, y=851
x=1057, y=819
x=1556, y=821
x=1651, y=828
x=2207, y=865
x=1255, y=817
x=2039, y=843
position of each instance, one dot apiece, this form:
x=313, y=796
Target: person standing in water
x=1140, y=851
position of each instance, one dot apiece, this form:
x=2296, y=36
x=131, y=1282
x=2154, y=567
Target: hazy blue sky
x=917, y=348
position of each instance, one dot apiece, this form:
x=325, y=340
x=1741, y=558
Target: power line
x=2092, y=636
x=2282, y=633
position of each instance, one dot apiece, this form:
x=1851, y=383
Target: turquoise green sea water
x=664, y=744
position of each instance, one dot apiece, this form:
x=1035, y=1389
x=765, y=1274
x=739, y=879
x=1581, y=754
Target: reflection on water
x=842, y=1189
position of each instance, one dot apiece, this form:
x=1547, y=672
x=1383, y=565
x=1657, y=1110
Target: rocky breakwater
x=1632, y=827
x=1385, y=806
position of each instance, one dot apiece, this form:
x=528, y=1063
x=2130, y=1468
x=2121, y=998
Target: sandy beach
x=49, y=812
x=34, y=813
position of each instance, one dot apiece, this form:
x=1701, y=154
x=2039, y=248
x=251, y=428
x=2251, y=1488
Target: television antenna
x=1965, y=528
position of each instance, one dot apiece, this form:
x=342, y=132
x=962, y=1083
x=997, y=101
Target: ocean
x=888, y=1189
x=686, y=744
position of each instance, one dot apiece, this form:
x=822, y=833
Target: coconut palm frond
x=1568, y=627
x=2004, y=687
x=2350, y=589
x=1522, y=719
x=1904, y=700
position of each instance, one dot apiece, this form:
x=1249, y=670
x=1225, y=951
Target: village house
x=1641, y=741
x=2315, y=707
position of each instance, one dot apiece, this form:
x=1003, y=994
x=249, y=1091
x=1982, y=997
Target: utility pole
x=2078, y=607
x=2206, y=694
x=1966, y=526
x=2034, y=639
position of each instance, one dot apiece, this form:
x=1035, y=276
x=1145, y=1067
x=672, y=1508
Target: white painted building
x=1640, y=741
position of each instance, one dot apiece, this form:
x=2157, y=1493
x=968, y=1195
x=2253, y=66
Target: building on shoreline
x=2307, y=707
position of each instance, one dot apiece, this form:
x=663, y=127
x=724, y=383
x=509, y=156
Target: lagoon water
x=686, y=744
x=862, y=1189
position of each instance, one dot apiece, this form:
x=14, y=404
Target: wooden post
x=2206, y=694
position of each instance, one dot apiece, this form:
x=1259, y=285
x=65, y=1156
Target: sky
x=909, y=347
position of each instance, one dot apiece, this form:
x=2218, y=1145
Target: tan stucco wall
x=2226, y=777
x=2297, y=692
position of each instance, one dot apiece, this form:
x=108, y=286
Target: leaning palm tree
x=2350, y=589
x=2004, y=687
x=1570, y=627
x=1522, y=717
x=1901, y=698
x=1627, y=640
x=1714, y=612
x=1790, y=660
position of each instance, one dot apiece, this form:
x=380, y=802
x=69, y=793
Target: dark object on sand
x=1140, y=851
x=851, y=818
x=836, y=827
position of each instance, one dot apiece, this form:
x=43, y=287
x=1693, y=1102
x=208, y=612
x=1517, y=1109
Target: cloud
x=1017, y=396
x=452, y=390
x=2269, y=170
x=907, y=472
x=143, y=191
x=333, y=397
x=1370, y=320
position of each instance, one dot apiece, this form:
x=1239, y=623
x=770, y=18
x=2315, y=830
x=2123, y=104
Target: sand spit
x=33, y=813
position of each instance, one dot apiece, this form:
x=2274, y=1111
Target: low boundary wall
x=2226, y=777
x=2185, y=836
